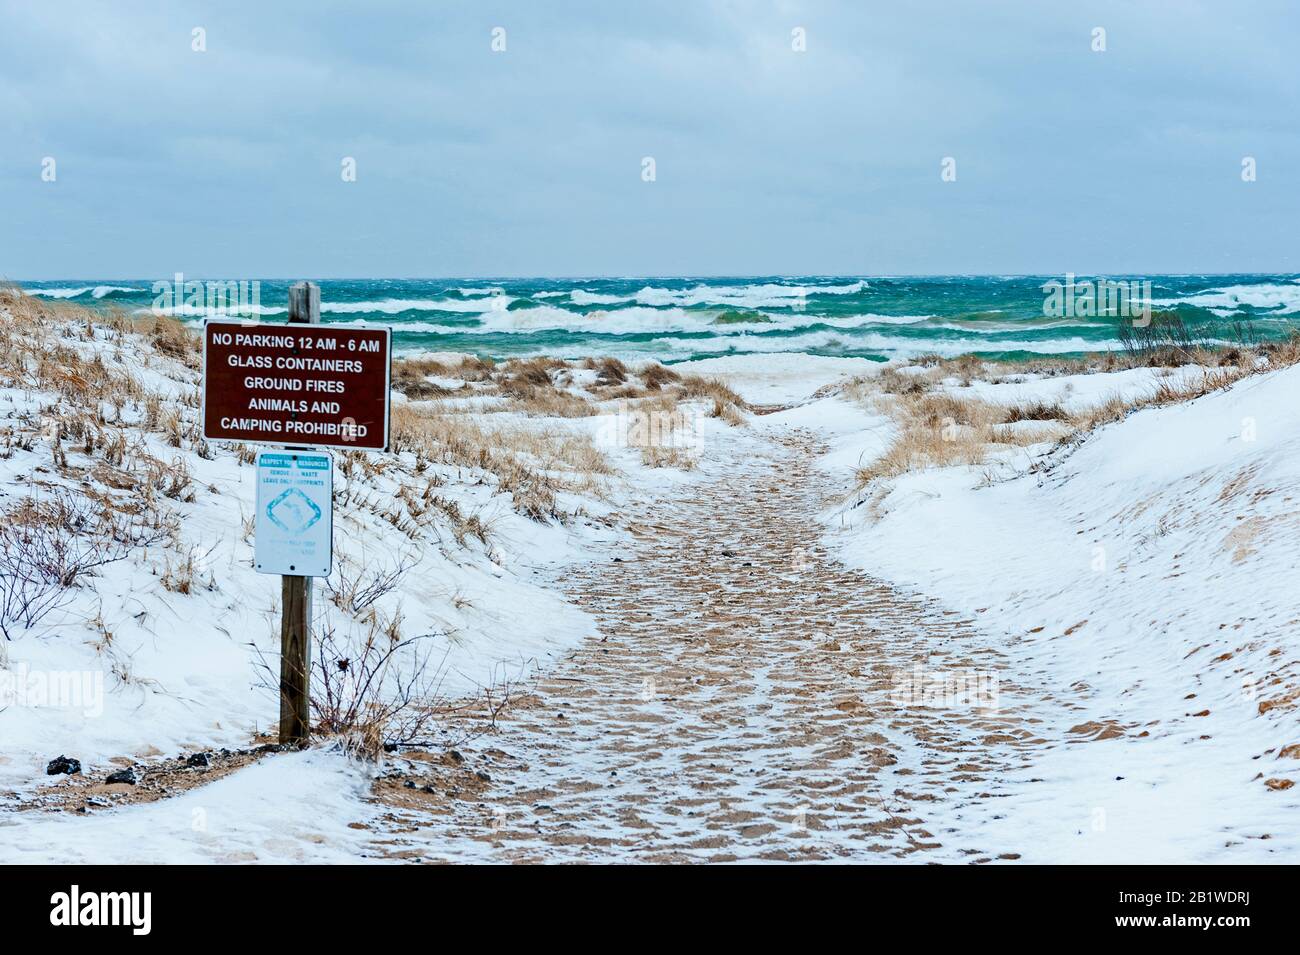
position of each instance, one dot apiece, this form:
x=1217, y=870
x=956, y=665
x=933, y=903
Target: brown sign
x=322, y=386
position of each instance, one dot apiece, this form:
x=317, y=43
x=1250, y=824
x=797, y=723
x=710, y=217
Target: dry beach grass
x=936, y=426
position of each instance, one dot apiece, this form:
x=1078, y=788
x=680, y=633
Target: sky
x=228, y=161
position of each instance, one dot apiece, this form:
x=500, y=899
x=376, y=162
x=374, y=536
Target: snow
x=1149, y=577
x=778, y=379
x=856, y=436
x=132, y=667
x=286, y=808
x=1072, y=392
x=1143, y=580
x=174, y=672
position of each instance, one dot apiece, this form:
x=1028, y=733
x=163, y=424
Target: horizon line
x=661, y=275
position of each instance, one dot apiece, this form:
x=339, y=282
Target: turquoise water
x=687, y=318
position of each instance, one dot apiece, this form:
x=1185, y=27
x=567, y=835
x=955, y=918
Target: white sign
x=294, y=531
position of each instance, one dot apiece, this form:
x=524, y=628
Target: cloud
x=528, y=161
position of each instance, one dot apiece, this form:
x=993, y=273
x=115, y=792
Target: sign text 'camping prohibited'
x=310, y=385
x=294, y=531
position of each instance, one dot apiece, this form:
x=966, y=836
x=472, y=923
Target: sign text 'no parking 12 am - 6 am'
x=298, y=385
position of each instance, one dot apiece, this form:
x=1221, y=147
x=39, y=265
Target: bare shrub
x=376, y=690
x=1168, y=341
x=47, y=545
x=371, y=687
x=354, y=587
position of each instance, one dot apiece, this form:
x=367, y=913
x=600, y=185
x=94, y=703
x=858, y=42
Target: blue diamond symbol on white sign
x=293, y=511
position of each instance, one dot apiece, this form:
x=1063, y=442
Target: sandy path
x=739, y=706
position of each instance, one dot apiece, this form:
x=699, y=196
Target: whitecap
x=202, y=311
x=392, y=306
x=879, y=343
x=58, y=292
x=1283, y=299
x=97, y=291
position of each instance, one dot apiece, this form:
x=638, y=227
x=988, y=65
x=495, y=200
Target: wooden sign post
x=300, y=390
x=295, y=589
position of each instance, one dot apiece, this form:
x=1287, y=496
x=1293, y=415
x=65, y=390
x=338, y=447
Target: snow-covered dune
x=164, y=649
x=1147, y=579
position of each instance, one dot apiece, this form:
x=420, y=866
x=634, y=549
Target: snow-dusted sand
x=1133, y=598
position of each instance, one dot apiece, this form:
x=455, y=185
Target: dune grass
x=937, y=427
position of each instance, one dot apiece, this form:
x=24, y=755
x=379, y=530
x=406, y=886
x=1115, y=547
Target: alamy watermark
x=75, y=907
x=1099, y=298
x=176, y=296
x=638, y=427
x=944, y=688
x=61, y=689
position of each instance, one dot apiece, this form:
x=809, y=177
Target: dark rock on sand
x=63, y=764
